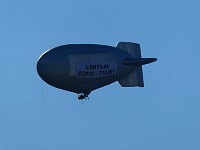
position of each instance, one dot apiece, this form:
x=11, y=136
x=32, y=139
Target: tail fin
x=132, y=48
x=135, y=78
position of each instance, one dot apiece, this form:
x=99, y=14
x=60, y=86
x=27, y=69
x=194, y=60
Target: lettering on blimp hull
x=98, y=66
x=94, y=70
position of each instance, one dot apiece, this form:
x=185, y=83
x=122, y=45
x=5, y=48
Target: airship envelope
x=83, y=68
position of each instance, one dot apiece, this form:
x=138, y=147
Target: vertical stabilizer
x=136, y=77
x=133, y=79
x=131, y=48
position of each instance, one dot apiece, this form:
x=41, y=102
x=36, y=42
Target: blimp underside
x=82, y=68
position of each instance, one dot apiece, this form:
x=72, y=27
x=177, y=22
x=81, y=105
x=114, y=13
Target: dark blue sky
x=162, y=115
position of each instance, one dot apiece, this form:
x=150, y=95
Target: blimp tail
x=136, y=77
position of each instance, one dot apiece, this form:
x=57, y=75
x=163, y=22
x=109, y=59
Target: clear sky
x=165, y=114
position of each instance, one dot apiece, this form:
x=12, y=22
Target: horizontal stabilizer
x=138, y=61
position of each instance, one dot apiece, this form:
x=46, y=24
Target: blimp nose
x=53, y=68
x=39, y=66
x=42, y=65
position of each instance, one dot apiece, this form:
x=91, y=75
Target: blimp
x=83, y=68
